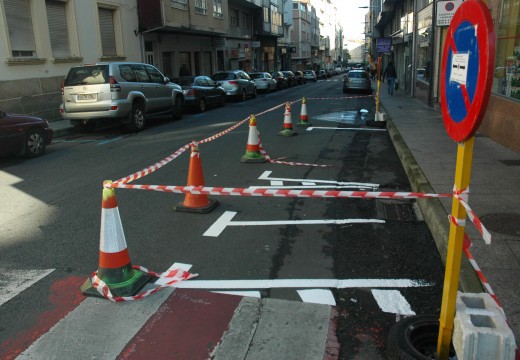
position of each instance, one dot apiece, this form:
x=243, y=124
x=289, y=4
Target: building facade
x=418, y=39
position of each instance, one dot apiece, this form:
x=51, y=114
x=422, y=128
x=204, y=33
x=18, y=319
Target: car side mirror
x=166, y=80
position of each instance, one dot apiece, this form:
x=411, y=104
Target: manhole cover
x=502, y=223
x=395, y=210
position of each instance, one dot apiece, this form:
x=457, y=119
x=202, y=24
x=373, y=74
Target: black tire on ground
x=202, y=105
x=137, y=118
x=177, y=109
x=243, y=95
x=254, y=93
x=35, y=143
x=414, y=338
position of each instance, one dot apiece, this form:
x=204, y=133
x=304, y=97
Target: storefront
x=424, y=49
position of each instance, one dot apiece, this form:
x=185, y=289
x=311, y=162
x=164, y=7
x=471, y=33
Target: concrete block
x=480, y=329
x=380, y=116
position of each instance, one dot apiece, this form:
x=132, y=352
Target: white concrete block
x=480, y=329
x=380, y=116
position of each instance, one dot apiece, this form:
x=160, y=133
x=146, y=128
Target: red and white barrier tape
x=223, y=191
x=173, y=277
x=463, y=197
x=466, y=245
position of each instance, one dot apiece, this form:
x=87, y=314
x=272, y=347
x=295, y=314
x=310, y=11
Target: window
x=155, y=75
x=179, y=4
x=233, y=13
x=107, y=32
x=244, y=23
x=58, y=30
x=20, y=28
x=217, y=9
x=506, y=79
x=201, y=7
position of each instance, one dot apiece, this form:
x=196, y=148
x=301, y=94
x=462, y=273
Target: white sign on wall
x=446, y=10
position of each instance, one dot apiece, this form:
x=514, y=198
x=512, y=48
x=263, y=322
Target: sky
x=353, y=17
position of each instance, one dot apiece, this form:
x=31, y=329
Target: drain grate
x=401, y=210
x=502, y=223
x=511, y=162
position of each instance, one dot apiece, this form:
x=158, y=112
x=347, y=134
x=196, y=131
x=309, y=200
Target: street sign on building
x=384, y=45
x=445, y=11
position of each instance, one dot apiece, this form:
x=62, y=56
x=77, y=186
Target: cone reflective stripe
x=304, y=119
x=253, y=144
x=196, y=203
x=287, y=122
x=115, y=267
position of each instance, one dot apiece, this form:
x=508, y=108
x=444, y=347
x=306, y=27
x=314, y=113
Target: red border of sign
x=477, y=13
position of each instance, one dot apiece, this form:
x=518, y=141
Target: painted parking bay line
x=226, y=220
x=310, y=128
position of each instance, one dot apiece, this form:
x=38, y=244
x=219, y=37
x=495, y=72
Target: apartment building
x=41, y=40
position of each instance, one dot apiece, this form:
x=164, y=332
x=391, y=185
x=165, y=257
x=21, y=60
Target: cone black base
x=373, y=123
x=129, y=288
x=302, y=124
x=198, y=210
x=287, y=132
x=246, y=159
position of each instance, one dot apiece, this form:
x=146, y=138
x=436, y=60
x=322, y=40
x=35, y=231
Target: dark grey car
x=236, y=83
x=201, y=91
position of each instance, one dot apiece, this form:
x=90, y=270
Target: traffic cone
x=253, y=154
x=196, y=203
x=304, y=119
x=287, y=122
x=115, y=267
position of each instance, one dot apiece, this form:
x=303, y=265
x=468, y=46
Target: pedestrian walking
x=390, y=75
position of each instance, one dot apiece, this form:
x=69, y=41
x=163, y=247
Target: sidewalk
x=429, y=157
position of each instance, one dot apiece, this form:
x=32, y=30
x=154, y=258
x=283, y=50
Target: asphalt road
x=50, y=213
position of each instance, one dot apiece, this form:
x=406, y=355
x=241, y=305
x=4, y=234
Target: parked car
x=291, y=79
x=23, y=134
x=236, y=83
x=201, y=91
x=322, y=74
x=357, y=80
x=125, y=91
x=264, y=81
x=299, y=77
x=281, y=80
x=310, y=75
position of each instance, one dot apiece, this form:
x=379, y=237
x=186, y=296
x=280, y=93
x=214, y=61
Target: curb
x=434, y=213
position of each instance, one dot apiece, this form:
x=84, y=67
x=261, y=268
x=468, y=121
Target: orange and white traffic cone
x=196, y=203
x=253, y=154
x=115, y=267
x=287, y=122
x=304, y=119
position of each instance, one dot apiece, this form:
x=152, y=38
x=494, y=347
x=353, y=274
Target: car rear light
x=233, y=82
x=191, y=92
x=114, y=108
x=114, y=85
x=62, y=86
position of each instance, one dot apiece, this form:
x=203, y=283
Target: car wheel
x=137, y=119
x=34, y=143
x=177, y=110
x=222, y=100
x=268, y=89
x=202, y=105
x=243, y=95
x=254, y=93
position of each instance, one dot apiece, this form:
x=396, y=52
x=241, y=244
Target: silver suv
x=236, y=83
x=128, y=92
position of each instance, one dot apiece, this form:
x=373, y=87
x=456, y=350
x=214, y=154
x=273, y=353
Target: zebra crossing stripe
x=13, y=282
x=391, y=301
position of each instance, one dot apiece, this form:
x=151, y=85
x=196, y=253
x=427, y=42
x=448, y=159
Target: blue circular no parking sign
x=467, y=69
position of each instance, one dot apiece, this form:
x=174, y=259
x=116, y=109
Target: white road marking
x=265, y=176
x=310, y=128
x=391, y=301
x=255, y=294
x=317, y=296
x=13, y=282
x=276, y=183
x=299, y=283
x=225, y=220
x=308, y=183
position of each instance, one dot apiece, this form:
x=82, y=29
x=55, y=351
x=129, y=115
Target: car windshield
x=357, y=74
x=83, y=75
x=185, y=81
x=256, y=76
x=223, y=76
